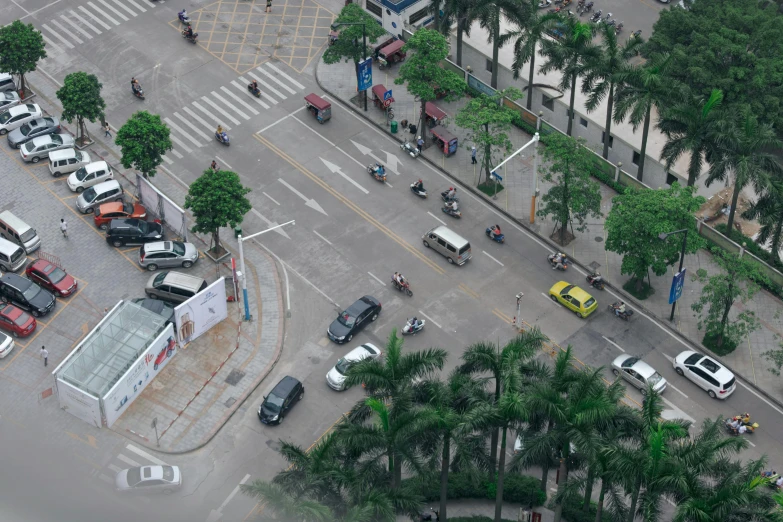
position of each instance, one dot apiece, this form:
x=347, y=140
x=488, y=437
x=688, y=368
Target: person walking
x=64, y=228
x=106, y=130
x=473, y=155
x=45, y=355
x=268, y=6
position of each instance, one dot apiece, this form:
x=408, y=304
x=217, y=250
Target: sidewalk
x=196, y=394
x=587, y=249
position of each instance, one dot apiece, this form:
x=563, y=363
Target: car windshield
x=347, y=319
x=5, y=117
x=56, y=276
x=57, y=139
x=159, y=278
x=31, y=292
x=89, y=195
x=168, y=473
x=25, y=129
x=81, y=174
x=27, y=235
x=654, y=379
x=630, y=362
x=179, y=248
x=590, y=302
x=343, y=365
x=21, y=320
x=143, y=227
x=127, y=208
x=273, y=403
x=134, y=476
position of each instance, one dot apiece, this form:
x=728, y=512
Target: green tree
x=573, y=195
x=217, y=199
x=640, y=89
x=570, y=55
x=602, y=69
x=743, y=147
x=462, y=13
x=735, y=282
x=690, y=126
x=285, y=506
x=423, y=74
x=636, y=220
x=22, y=45
x=143, y=140
x=80, y=96
x=768, y=211
x=488, y=120
x=530, y=29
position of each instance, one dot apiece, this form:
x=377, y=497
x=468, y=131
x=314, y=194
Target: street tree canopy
x=22, y=46
x=143, y=140
x=217, y=199
x=637, y=219
x=349, y=44
x=81, y=99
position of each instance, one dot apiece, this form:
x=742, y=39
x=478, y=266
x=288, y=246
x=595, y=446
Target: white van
x=89, y=175
x=66, y=161
x=12, y=256
x=17, y=231
x=454, y=247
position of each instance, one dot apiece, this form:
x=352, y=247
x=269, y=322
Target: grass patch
x=710, y=340
x=491, y=187
x=644, y=293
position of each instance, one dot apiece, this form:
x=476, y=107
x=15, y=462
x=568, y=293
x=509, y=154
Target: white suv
x=17, y=116
x=707, y=373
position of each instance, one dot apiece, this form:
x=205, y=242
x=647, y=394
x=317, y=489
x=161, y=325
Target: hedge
x=519, y=489
x=572, y=511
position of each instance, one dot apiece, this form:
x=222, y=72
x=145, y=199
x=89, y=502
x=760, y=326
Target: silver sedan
x=149, y=478
x=638, y=373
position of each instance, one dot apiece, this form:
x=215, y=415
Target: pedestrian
x=473, y=155
x=105, y=312
x=64, y=228
x=268, y=6
x=214, y=166
x=45, y=355
x=106, y=129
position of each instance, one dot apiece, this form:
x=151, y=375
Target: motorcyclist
x=419, y=186
x=779, y=482
x=219, y=131
x=744, y=418
x=254, y=85
x=189, y=31
x=734, y=425
x=379, y=170
x=400, y=279
x=183, y=14
x=619, y=309
x=135, y=85
x=452, y=205
x=415, y=323
x=452, y=193
x=214, y=166
x=495, y=231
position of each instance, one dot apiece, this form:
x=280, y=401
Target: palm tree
x=571, y=55
x=461, y=12
x=285, y=505
x=743, y=145
x=639, y=90
x=531, y=28
x=768, y=210
x=489, y=14
x=690, y=126
x=600, y=78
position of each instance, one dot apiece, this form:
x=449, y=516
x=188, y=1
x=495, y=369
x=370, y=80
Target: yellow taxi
x=573, y=298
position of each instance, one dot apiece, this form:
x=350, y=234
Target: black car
x=280, y=400
x=353, y=319
x=159, y=307
x=26, y=295
x=33, y=129
x=133, y=231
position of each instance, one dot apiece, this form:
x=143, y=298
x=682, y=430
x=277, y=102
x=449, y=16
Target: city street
x=351, y=234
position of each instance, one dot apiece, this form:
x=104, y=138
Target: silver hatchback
x=167, y=254
x=40, y=147
x=638, y=373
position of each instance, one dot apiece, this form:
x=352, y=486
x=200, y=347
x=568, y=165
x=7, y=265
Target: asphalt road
x=351, y=234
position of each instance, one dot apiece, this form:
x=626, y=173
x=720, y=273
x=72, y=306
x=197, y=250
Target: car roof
x=16, y=281
x=114, y=206
x=156, y=246
x=362, y=304
x=44, y=266
x=10, y=310
x=19, y=109
x=153, y=305
x=285, y=386
x=97, y=165
x=579, y=293
x=640, y=367
x=360, y=352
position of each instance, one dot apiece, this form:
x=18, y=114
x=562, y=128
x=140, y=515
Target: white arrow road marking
x=429, y=319
x=392, y=161
x=433, y=215
x=308, y=202
x=335, y=169
x=613, y=343
x=270, y=223
x=368, y=152
x=492, y=258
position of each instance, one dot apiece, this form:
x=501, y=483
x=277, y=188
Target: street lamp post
x=334, y=27
x=242, y=262
x=662, y=236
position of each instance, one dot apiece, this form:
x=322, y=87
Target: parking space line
x=430, y=319
x=613, y=344
x=436, y=218
x=273, y=199
x=677, y=390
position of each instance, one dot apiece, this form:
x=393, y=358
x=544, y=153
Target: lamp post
x=334, y=27
x=242, y=262
x=662, y=236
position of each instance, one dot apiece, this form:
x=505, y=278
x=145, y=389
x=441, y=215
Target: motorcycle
x=618, y=28
x=559, y=264
x=731, y=430
x=192, y=38
x=427, y=516
x=411, y=149
x=500, y=238
x=377, y=171
x=451, y=212
x=256, y=92
x=544, y=4
x=745, y=418
x=606, y=18
x=409, y=329
x=596, y=280
x=222, y=138
x=137, y=92
x=622, y=315
x=771, y=476
x=596, y=16
x=444, y=196
x=637, y=34
x=421, y=193
x=588, y=7
x=405, y=287
x=183, y=17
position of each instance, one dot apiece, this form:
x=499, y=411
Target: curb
x=697, y=346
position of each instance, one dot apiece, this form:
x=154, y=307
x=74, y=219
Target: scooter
x=637, y=33
x=192, y=39
x=421, y=193
x=561, y=265
x=451, y=212
x=183, y=17
x=596, y=280
x=427, y=516
x=138, y=92
x=596, y=16
x=500, y=238
x=445, y=197
x=222, y=138
x=745, y=418
x=606, y=18
x=409, y=329
x=731, y=430
x=622, y=315
x=256, y=92
x=405, y=287
x=377, y=171
x=618, y=28
x=587, y=7
x=411, y=149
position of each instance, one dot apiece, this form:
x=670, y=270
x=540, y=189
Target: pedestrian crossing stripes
x=130, y=457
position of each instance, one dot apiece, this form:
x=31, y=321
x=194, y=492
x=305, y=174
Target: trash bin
x=237, y=231
x=394, y=127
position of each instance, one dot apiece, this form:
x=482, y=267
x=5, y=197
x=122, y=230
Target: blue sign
x=387, y=95
x=497, y=176
x=365, y=74
x=677, y=283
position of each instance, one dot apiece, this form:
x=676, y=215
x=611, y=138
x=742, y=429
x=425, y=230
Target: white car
x=8, y=99
x=336, y=376
x=638, y=373
x=89, y=175
x=6, y=345
x=149, y=478
x=17, y=116
x=707, y=373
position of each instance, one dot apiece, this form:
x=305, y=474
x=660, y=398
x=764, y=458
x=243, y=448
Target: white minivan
x=89, y=175
x=66, y=161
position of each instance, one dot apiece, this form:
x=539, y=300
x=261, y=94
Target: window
x=489, y=65
x=374, y=9
x=670, y=178
x=418, y=15
x=636, y=158
x=450, y=248
x=611, y=139
x=583, y=122
x=548, y=102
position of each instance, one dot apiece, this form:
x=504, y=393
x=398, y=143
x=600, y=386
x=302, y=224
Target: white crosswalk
x=130, y=457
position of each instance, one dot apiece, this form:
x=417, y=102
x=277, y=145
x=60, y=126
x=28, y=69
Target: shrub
x=519, y=489
x=755, y=249
x=572, y=511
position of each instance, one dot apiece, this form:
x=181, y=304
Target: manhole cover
x=594, y=265
x=274, y=444
x=230, y=402
x=234, y=377
x=598, y=239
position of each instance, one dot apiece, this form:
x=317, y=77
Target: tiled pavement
x=339, y=82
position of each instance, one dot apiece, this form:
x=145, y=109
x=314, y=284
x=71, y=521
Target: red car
x=51, y=277
x=117, y=210
x=19, y=323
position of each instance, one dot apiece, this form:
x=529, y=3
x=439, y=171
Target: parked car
x=280, y=400
x=89, y=175
x=33, y=129
x=161, y=308
x=8, y=99
x=706, y=373
x=166, y=254
x=148, y=479
x=16, y=321
x=40, y=147
x=336, y=376
x=573, y=298
x=99, y=194
x=51, y=277
x=174, y=286
x=119, y=210
x=638, y=373
x=353, y=319
x=25, y=294
x=7, y=82
x=6, y=345
x=17, y=116
x=133, y=231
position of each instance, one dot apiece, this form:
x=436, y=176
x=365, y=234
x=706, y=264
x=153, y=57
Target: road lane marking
x=749, y=442
x=677, y=411
x=215, y=118
x=373, y=276
x=114, y=468
x=183, y=132
x=110, y=8
x=233, y=492
x=284, y=75
x=128, y=461
x=281, y=119
x=502, y=316
x=229, y=104
x=219, y=109
x=281, y=84
x=224, y=162
x=336, y=169
x=238, y=85
x=468, y=290
x=273, y=200
x=238, y=100
x=270, y=223
x=549, y=298
x=613, y=343
x=492, y=258
x=97, y=20
x=323, y=238
x=142, y=453
x=85, y=22
x=434, y=216
x=68, y=21
x=65, y=42
x=193, y=127
x=180, y=143
x=125, y=8
x=267, y=88
x=430, y=319
x=677, y=390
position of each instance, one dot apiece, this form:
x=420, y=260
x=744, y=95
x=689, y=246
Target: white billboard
x=79, y=403
x=133, y=382
x=201, y=312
